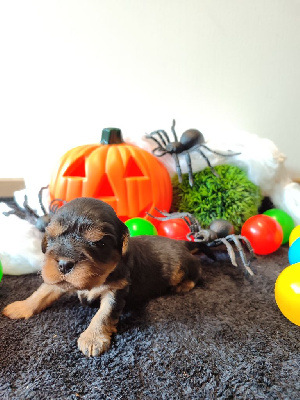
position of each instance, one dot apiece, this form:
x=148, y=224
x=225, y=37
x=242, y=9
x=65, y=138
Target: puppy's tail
x=200, y=247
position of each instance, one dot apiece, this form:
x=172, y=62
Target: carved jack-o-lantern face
x=127, y=177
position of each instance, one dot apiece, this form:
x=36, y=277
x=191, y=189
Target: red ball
x=264, y=233
x=174, y=229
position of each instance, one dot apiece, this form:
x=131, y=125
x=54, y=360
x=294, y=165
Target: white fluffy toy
x=20, y=248
x=20, y=244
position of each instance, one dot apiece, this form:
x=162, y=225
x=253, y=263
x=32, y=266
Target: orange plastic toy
x=125, y=176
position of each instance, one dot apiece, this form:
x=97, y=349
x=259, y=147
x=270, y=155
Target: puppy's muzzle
x=65, y=266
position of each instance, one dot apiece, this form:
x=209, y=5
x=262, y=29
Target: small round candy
x=294, y=253
x=294, y=234
x=140, y=226
x=264, y=233
x=287, y=293
x=285, y=220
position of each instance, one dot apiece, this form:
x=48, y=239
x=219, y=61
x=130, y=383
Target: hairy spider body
x=219, y=232
x=190, y=140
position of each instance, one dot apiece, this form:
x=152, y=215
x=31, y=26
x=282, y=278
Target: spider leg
x=167, y=216
x=189, y=236
x=28, y=208
x=159, y=147
x=163, y=136
x=189, y=164
x=162, y=152
x=173, y=131
x=188, y=219
x=40, y=195
x=208, y=163
x=229, y=249
x=178, y=169
x=248, y=244
x=163, y=212
x=8, y=213
x=220, y=154
x=239, y=247
x=55, y=205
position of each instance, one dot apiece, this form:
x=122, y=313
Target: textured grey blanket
x=226, y=339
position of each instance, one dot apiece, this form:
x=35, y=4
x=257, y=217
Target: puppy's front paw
x=17, y=310
x=92, y=344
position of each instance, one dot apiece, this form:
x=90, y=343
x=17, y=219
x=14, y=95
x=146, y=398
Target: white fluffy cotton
x=20, y=245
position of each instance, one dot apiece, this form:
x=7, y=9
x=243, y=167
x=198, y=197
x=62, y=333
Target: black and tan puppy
x=88, y=250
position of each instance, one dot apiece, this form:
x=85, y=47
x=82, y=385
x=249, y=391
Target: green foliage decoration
x=232, y=196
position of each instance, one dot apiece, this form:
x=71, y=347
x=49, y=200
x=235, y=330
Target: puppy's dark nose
x=65, y=266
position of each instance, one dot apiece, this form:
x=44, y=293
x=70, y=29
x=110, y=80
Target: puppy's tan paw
x=184, y=287
x=17, y=310
x=92, y=344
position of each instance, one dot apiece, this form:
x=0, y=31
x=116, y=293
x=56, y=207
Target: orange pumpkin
x=125, y=176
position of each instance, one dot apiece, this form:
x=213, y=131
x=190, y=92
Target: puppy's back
x=157, y=264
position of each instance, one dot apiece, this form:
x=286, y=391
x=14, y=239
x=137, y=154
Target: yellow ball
x=287, y=293
x=294, y=234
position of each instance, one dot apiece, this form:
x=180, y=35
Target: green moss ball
x=231, y=196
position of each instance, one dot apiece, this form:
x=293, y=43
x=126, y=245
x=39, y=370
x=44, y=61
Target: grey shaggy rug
x=226, y=339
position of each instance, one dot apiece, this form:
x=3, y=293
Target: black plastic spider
x=190, y=140
x=219, y=232
x=40, y=222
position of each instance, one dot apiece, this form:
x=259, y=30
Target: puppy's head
x=83, y=244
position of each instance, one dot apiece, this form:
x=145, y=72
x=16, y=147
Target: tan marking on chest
x=97, y=292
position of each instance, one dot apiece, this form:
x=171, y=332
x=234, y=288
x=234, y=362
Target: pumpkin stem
x=111, y=136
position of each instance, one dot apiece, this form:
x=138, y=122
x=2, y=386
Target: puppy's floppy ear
x=44, y=243
x=125, y=243
x=123, y=237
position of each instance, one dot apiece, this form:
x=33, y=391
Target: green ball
x=1, y=271
x=284, y=219
x=140, y=226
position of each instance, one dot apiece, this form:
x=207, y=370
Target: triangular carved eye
x=104, y=188
x=77, y=168
x=132, y=169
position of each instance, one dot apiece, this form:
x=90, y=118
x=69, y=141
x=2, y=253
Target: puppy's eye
x=98, y=243
x=106, y=241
